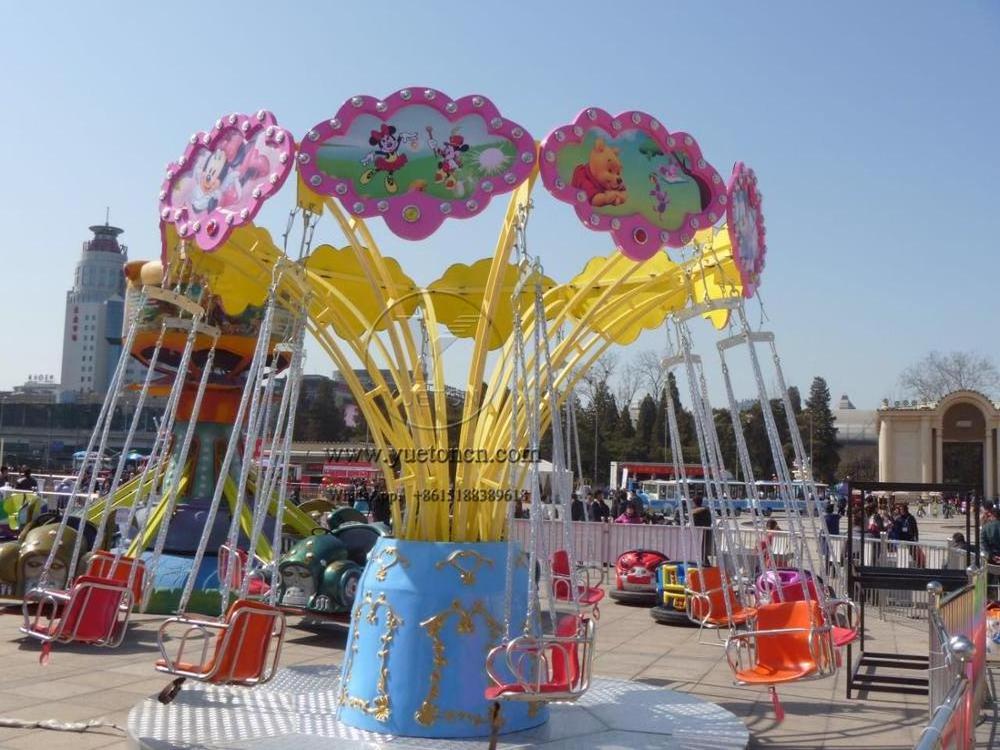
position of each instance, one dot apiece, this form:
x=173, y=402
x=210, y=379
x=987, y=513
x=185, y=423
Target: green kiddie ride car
x=319, y=575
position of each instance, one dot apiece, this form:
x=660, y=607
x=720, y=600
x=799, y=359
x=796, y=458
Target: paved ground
x=81, y=684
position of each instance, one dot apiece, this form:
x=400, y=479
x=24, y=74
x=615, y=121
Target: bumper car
x=635, y=577
x=671, y=594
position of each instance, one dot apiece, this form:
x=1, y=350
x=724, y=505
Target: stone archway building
x=953, y=439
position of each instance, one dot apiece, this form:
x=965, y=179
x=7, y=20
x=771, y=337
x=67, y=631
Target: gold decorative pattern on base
x=379, y=706
x=388, y=557
x=429, y=713
x=456, y=560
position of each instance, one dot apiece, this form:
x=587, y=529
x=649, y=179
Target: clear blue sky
x=873, y=129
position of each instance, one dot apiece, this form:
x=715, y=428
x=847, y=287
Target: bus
x=664, y=496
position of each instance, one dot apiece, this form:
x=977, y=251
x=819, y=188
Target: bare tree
x=649, y=366
x=936, y=375
x=628, y=384
x=599, y=374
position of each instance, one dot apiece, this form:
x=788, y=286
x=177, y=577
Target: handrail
x=951, y=721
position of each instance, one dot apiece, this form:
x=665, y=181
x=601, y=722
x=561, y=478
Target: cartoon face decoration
x=635, y=569
x=628, y=175
x=745, y=222
x=298, y=585
x=416, y=158
x=34, y=551
x=303, y=567
x=225, y=176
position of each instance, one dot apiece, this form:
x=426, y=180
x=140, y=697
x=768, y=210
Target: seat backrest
x=704, y=579
x=560, y=562
x=708, y=581
x=787, y=649
x=242, y=649
x=102, y=565
x=564, y=659
x=238, y=565
x=92, y=612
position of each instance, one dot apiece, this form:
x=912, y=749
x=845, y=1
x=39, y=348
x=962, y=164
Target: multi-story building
x=93, y=326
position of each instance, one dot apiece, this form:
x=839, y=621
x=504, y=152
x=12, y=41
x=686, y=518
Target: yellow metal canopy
x=359, y=305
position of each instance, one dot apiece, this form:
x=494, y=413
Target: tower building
x=94, y=307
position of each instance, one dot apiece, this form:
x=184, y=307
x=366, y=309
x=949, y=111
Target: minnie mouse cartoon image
x=219, y=175
x=385, y=157
x=449, y=154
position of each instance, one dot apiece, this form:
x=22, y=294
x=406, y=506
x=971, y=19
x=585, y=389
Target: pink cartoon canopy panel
x=416, y=158
x=628, y=175
x=224, y=177
x=745, y=222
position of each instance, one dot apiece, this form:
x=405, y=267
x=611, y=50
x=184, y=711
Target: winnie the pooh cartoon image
x=601, y=177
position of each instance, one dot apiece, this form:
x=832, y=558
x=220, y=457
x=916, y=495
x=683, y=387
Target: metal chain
x=241, y=412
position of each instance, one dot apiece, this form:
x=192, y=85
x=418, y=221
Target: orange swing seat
x=707, y=600
x=242, y=653
x=102, y=564
x=791, y=643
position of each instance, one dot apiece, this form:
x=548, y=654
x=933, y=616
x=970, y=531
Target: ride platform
x=297, y=710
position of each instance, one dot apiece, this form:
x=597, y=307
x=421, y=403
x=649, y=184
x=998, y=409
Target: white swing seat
x=247, y=645
x=550, y=668
x=94, y=611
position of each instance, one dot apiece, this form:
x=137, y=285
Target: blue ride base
x=425, y=617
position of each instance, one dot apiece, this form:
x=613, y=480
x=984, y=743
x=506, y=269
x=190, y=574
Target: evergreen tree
x=685, y=424
x=727, y=440
x=625, y=428
x=646, y=422
x=320, y=419
x=821, y=440
x=796, y=398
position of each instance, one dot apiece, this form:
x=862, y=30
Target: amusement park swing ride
x=220, y=321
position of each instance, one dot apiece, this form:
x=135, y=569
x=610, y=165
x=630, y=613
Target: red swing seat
x=257, y=587
x=102, y=564
x=567, y=588
x=558, y=665
x=843, y=628
x=707, y=600
x=94, y=610
x=791, y=643
x=242, y=653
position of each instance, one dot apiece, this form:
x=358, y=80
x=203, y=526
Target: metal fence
x=957, y=665
x=828, y=560
x=604, y=542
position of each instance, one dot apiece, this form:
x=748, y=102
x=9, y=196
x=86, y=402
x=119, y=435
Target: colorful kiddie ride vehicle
x=671, y=594
x=22, y=559
x=635, y=574
x=319, y=576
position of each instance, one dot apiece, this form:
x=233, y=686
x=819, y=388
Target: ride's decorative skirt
x=425, y=617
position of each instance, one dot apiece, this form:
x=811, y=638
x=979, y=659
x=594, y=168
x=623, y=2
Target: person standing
x=702, y=517
x=598, y=509
x=904, y=525
x=576, y=510
x=989, y=537
x=632, y=514
x=26, y=481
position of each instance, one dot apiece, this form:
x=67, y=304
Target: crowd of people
x=24, y=481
